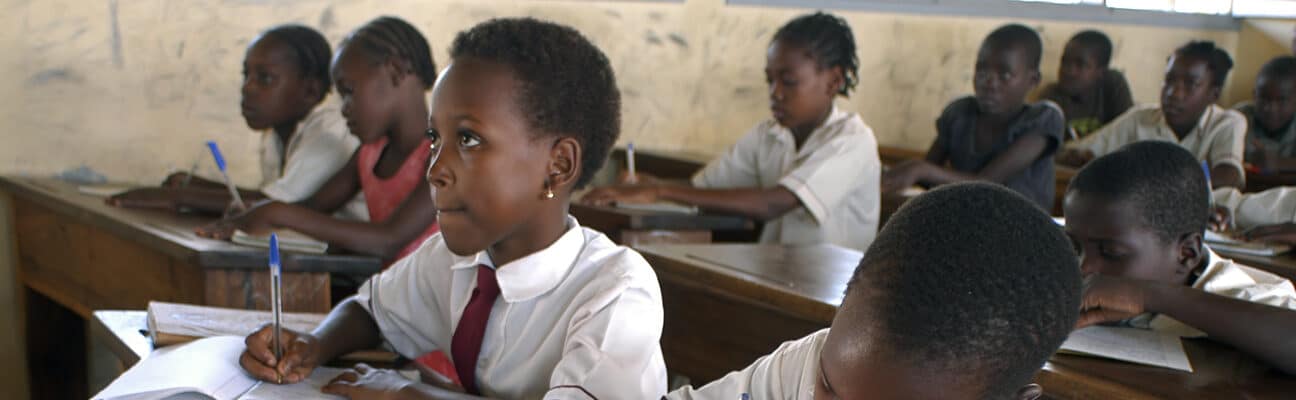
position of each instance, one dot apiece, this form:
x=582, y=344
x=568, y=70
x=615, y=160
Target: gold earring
x=548, y=194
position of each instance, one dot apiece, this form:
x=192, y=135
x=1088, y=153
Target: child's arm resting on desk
x=204, y=199
x=1017, y=157
x=1260, y=330
x=761, y=204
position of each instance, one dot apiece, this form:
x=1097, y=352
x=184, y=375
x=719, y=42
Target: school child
x=1138, y=215
x=304, y=141
x=810, y=173
x=382, y=72
x=1187, y=116
x=1090, y=93
x=1015, y=298
x=994, y=136
x=1271, y=135
x=526, y=301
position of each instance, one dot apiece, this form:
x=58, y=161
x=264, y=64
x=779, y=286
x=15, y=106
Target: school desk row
x=725, y=304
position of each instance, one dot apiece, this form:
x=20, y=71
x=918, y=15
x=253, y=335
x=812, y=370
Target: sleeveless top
x=384, y=196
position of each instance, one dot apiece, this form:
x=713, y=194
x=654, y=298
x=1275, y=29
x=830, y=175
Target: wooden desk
x=728, y=304
x=76, y=254
x=663, y=164
x=1261, y=182
x=632, y=227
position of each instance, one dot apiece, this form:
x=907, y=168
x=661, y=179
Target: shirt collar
x=833, y=116
x=536, y=273
x=1200, y=127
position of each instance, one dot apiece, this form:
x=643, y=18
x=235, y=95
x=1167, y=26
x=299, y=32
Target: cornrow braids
x=830, y=41
x=386, y=37
x=310, y=50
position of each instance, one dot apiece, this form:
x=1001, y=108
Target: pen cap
x=274, y=253
x=216, y=154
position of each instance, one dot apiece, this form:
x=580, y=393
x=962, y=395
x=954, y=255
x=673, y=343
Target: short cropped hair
x=1098, y=43
x=1013, y=35
x=1216, y=59
x=1162, y=180
x=1283, y=67
x=566, y=85
x=973, y=277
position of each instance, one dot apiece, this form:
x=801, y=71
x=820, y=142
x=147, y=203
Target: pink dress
x=384, y=196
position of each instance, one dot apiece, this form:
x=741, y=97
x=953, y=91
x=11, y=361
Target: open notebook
x=206, y=369
x=1134, y=345
x=171, y=323
x=289, y=240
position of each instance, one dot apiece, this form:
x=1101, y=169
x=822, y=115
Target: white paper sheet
x=1129, y=344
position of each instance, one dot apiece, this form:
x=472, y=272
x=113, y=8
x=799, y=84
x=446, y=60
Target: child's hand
x=1074, y=157
x=365, y=382
x=606, y=196
x=1109, y=299
x=300, y=356
x=1221, y=219
x=256, y=222
x=902, y=175
x=639, y=178
x=155, y=198
x=1281, y=233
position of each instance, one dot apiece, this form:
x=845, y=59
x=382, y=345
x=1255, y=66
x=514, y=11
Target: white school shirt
x=1226, y=278
x=319, y=147
x=581, y=317
x=790, y=372
x=1219, y=137
x=835, y=175
x=1270, y=207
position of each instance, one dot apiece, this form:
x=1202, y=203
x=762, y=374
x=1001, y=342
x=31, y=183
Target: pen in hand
x=220, y=163
x=276, y=302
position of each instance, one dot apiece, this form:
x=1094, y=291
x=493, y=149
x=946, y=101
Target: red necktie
x=466, y=343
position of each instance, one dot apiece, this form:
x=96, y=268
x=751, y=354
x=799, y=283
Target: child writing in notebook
x=382, y=72
x=1186, y=116
x=285, y=83
x=528, y=303
x=907, y=329
x=1138, y=215
x=994, y=136
x=810, y=172
x=1090, y=93
x=1271, y=134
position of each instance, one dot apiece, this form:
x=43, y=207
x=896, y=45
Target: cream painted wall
x=132, y=88
x=1258, y=42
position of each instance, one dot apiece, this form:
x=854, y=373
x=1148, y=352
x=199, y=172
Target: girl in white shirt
x=525, y=302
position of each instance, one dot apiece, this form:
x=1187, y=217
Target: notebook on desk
x=1225, y=243
x=289, y=240
x=663, y=207
x=1139, y=346
x=104, y=190
x=207, y=369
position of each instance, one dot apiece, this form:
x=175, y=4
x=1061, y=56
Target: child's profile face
x=1079, y=71
x=488, y=169
x=1275, y=102
x=1002, y=78
x=800, y=92
x=367, y=89
x=1187, y=90
x=1111, y=239
x=274, y=90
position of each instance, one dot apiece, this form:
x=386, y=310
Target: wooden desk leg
x=56, y=349
x=250, y=289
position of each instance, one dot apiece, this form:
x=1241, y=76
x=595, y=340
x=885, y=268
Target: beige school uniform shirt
x=580, y=318
x=1227, y=278
x=1270, y=207
x=790, y=372
x=1219, y=137
x=835, y=175
x=320, y=147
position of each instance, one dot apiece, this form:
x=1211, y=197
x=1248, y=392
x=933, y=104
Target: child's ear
x=1191, y=253
x=837, y=81
x=564, y=163
x=314, y=91
x=1035, y=77
x=1029, y=392
x=399, y=68
x=1215, y=93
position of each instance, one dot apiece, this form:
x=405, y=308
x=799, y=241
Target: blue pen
x=630, y=163
x=220, y=163
x=276, y=297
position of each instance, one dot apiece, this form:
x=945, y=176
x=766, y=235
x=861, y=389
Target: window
x=1236, y=8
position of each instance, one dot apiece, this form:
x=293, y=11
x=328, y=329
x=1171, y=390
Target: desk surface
x=808, y=281
x=1220, y=372
x=613, y=218
x=171, y=233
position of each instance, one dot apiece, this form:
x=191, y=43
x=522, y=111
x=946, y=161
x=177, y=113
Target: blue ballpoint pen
x=220, y=163
x=276, y=297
